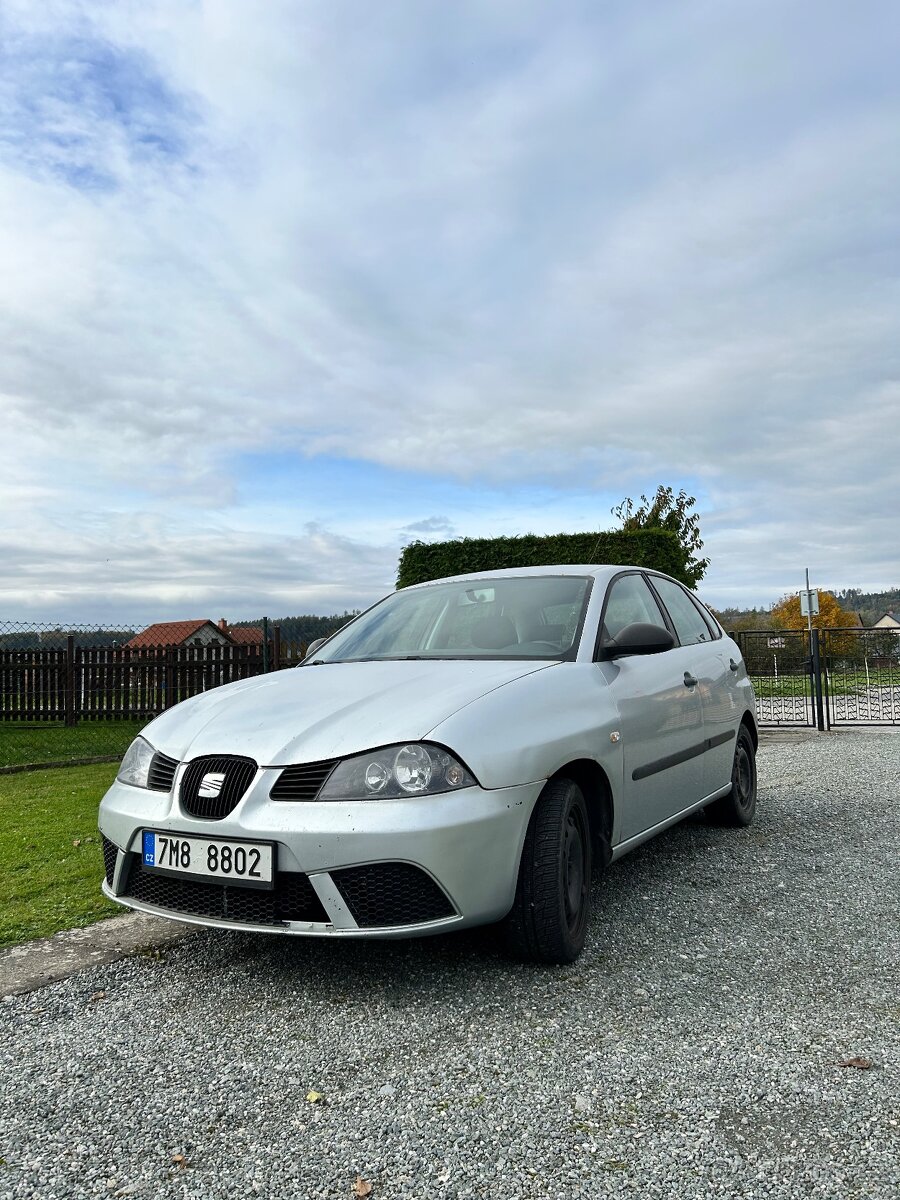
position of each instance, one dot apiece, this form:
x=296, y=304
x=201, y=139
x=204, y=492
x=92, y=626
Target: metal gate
x=861, y=676
x=841, y=677
x=780, y=665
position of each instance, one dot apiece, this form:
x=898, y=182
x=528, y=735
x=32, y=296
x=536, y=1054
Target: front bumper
x=370, y=868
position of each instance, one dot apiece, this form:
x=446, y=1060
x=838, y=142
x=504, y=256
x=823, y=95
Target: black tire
x=549, y=916
x=739, y=806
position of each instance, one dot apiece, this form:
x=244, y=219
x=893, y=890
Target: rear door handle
x=689, y=680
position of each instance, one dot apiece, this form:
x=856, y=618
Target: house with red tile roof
x=243, y=635
x=196, y=633
x=181, y=633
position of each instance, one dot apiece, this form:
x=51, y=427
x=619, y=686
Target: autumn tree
x=666, y=510
x=786, y=614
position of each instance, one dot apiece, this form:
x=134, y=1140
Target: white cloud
x=498, y=245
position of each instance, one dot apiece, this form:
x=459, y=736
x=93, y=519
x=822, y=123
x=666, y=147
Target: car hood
x=313, y=713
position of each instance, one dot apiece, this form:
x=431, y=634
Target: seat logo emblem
x=211, y=784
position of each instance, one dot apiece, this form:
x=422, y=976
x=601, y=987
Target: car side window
x=630, y=600
x=715, y=628
x=689, y=624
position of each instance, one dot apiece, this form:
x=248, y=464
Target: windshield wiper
x=318, y=662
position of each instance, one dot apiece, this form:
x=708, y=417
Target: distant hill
x=733, y=619
x=869, y=605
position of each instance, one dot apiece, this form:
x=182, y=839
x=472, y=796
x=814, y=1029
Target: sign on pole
x=809, y=603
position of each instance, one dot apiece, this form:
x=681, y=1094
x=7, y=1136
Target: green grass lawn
x=51, y=862
x=840, y=683
x=784, y=685
x=25, y=743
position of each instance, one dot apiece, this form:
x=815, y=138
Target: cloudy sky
x=284, y=285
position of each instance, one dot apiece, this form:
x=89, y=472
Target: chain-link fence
x=29, y=635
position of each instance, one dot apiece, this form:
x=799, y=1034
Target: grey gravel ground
x=693, y=1051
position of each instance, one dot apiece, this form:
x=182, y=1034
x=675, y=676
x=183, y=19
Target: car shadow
x=632, y=892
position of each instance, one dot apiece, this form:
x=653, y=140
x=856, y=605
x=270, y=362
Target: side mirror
x=313, y=647
x=638, y=638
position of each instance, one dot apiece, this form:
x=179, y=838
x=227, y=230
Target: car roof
x=604, y=572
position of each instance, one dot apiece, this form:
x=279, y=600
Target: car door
x=710, y=666
x=660, y=715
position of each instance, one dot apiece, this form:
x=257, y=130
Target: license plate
x=251, y=864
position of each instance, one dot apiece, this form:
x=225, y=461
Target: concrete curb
x=47, y=960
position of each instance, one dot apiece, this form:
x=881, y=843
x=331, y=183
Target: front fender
x=531, y=727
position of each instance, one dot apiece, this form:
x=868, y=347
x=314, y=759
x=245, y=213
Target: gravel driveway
x=694, y=1050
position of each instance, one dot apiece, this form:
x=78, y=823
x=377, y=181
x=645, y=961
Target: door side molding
x=672, y=760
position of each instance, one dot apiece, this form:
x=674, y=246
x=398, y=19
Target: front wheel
x=549, y=916
x=739, y=806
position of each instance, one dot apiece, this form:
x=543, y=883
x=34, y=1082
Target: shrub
x=656, y=548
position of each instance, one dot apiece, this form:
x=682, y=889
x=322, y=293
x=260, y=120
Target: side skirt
x=623, y=847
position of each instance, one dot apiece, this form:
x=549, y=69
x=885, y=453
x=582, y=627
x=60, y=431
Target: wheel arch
x=595, y=787
x=749, y=723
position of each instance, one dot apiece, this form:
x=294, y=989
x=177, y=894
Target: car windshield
x=537, y=616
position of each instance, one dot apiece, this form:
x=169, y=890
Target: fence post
x=817, y=681
x=70, y=681
x=826, y=700
x=170, y=677
x=265, y=646
x=276, y=647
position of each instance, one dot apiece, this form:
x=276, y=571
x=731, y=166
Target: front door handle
x=689, y=680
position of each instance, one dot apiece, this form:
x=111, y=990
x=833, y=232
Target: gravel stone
x=693, y=1051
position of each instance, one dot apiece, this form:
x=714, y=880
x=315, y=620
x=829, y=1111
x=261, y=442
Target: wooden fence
x=117, y=683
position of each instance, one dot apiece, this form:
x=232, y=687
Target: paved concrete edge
x=47, y=960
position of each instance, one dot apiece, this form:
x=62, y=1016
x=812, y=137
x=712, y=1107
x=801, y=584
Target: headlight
x=135, y=766
x=394, y=771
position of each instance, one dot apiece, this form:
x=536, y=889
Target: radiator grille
x=302, y=782
x=162, y=773
x=237, y=776
x=391, y=893
x=292, y=898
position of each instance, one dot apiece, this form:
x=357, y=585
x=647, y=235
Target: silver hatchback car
x=466, y=751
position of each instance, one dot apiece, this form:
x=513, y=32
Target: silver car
x=466, y=751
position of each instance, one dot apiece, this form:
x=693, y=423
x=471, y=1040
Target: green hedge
x=657, y=548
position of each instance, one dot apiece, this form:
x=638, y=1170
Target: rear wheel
x=549, y=917
x=739, y=806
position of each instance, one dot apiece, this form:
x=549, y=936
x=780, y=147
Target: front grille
x=302, y=782
x=391, y=893
x=110, y=853
x=292, y=898
x=238, y=775
x=162, y=772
